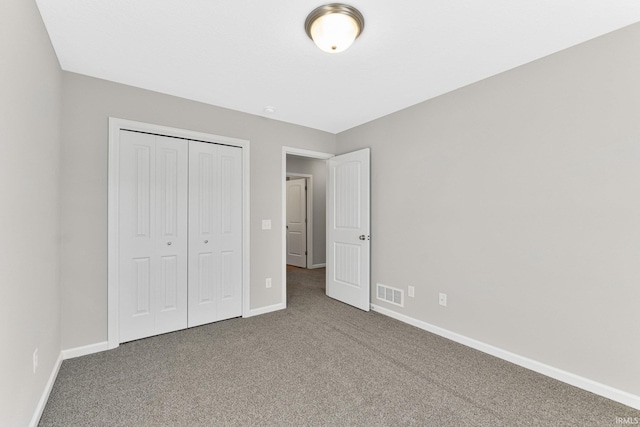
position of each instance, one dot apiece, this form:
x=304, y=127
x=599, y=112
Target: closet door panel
x=215, y=214
x=230, y=249
x=203, y=208
x=171, y=213
x=136, y=221
x=153, y=212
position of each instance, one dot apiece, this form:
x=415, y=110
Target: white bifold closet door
x=180, y=234
x=215, y=232
x=152, y=226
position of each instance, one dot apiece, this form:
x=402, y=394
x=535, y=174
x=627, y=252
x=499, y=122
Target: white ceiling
x=249, y=54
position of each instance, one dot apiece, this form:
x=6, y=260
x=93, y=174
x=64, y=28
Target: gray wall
x=519, y=197
x=317, y=168
x=87, y=104
x=30, y=85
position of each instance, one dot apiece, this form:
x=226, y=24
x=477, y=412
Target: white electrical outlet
x=411, y=291
x=35, y=360
x=268, y=282
x=266, y=224
x=443, y=299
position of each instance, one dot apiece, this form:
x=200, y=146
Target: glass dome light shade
x=334, y=32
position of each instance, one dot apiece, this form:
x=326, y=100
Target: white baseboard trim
x=84, y=350
x=567, y=377
x=312, y=266
x=35, y=419
x=64, y=354
x=265, y=310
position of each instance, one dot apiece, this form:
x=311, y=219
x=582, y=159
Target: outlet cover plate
x=442, y=299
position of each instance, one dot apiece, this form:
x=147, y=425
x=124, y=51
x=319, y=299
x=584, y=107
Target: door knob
x=362, y=237
x=169, y=243
x=206, y=241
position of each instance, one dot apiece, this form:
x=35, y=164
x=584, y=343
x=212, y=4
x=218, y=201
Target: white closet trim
x=115, y=126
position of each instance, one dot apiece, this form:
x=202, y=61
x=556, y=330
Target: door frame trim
x=308, y=179
x=115, y=126
x=283, y=179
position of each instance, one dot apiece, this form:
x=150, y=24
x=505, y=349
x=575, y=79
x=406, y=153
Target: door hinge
x=305, y=252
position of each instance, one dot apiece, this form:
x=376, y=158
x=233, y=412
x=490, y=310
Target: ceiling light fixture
x=334, y=27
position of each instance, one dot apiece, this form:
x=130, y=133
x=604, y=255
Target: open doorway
x=304, y=213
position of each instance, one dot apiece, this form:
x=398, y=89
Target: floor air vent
x=391, y=295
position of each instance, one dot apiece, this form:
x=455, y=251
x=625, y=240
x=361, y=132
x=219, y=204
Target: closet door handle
x=206, y=241
x=169, y=243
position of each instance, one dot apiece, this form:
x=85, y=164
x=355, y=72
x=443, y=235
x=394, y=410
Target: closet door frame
x=116, y=125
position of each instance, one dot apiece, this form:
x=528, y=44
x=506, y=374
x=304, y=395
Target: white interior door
x=152, y=235
x=297, y=222
x=215, y=232
x=348, y=229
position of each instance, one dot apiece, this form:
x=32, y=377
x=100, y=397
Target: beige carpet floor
x=317, y=363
